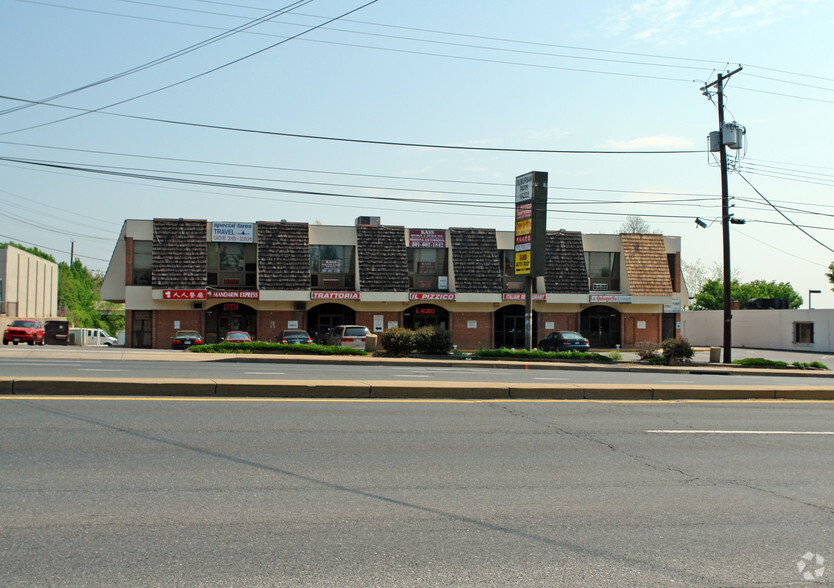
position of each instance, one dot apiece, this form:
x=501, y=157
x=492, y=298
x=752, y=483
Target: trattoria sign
x=334, y=295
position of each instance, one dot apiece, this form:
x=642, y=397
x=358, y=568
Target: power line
x=198, y=75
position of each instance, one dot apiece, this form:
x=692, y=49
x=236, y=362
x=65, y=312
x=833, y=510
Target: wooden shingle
x=646, y=264
x=565, y=272
x=283, y=256
x=383, y=259
x=179, y=254
x=476, y=262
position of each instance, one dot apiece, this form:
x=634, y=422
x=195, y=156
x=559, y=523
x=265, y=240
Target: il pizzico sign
x=431, y=296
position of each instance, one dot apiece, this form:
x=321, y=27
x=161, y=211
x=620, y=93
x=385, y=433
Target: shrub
x=615, y=355
x=647, y=350
x=677, y=350
x=433, y=341
x=398, y=342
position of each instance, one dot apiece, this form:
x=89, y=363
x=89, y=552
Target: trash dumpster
x=715, y=355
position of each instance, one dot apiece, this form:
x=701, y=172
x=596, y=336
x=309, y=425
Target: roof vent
x=367, y=220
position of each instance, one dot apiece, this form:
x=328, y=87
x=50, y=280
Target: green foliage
x=647, y=350
x=536, y=354
x=433, y=341
x=615, y=355
x=770, y=363
x=677, y=350
x=711, y=296
x=398, y=342
x=280, y=348
x=830, y=274
x=32, y=250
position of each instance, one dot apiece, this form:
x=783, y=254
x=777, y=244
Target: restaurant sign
x=431, y=296
x=334, y=295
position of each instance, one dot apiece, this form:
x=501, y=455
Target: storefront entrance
x=322, y=318
x=424, y=315
x=230, y=316
x=509, y=327
x=601, y=325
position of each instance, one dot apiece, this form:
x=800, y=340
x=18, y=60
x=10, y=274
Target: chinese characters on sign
x=184, y=294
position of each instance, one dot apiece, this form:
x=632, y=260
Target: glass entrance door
x=601, y=325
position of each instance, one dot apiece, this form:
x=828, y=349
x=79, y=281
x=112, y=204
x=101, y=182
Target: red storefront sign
x=522, y=296
x=431, y=296
x=184, y=294
x=427, y=238
x=334, y=295
x=236, y=294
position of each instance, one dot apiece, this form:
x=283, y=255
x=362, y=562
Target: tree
x=711, y=296
x=696, y=274
x=635, y=224
x=830, y=274
x=80, y=295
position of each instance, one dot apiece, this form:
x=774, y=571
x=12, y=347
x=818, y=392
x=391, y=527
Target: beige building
x=28, y=286
x=264, y=277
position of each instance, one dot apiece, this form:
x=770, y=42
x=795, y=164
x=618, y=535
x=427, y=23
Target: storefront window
x=603, y=270
x=142, y=262
x=332, y=267
x=427, y=269
x=232, y=265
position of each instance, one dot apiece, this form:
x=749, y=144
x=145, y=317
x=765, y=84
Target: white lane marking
x=720, y=432
x=97, y=370
x=552, y=379
x=677, y=381
x=264, y=373
x=413, y=375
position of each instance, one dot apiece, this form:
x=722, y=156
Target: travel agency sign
x=530, y=223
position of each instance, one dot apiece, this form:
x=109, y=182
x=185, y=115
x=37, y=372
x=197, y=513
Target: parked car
x=295, y=336
x=186, y=339
x=238, y=337
x=31, y=331
x=349, y=336
x=564, y=341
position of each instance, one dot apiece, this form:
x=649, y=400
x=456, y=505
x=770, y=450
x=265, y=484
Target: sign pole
x=530, y=239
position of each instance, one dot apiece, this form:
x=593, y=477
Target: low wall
x=759, y=329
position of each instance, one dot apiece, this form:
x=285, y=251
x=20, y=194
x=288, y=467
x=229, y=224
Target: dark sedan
x=295, y=336
x=564, y=341
x=186, y=339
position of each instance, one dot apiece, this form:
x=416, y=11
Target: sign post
x=530, y=238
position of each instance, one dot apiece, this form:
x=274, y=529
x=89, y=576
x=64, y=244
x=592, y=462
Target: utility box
x=57, y=332
x=715, y=355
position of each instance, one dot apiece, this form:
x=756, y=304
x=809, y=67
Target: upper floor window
x=603, y=270
x=142, y=262
x=510, y=282
x=232, y=265
x=332, y=267
x=428, y=268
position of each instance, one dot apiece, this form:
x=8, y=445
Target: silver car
x=353, y=336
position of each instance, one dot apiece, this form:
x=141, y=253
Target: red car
x=30, y=331
x=238, y=337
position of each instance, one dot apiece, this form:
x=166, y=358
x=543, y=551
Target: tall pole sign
x=530, y=238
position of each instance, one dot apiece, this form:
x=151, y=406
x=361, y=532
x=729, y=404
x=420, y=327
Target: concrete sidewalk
x=98, y=387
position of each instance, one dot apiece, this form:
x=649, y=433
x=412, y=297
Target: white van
x=90, y=337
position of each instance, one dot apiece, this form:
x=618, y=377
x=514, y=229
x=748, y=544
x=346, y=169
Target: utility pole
x=725, y=217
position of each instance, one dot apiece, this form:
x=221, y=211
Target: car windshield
x=188, y=334
x=27, y=324
x=354, y=332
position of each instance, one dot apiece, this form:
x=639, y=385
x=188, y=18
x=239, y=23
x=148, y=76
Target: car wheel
x=32, y=342
x=5, y=342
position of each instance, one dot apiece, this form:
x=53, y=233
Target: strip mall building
x=265, y=277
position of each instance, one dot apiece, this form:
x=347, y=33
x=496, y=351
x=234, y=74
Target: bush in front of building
x=268, y=347
x=647, y=350
x=677, y=350
x=433, y=341
x=398, y=342
x=547, y=355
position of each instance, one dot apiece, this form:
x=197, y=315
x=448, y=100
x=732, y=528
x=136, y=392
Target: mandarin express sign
x=530, y=223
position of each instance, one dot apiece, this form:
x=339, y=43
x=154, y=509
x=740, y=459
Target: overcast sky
x=204, y=111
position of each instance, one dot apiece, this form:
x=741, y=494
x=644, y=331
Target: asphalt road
x=163, y=492
x=105, y=364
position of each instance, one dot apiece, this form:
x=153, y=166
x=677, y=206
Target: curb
x=100, y=387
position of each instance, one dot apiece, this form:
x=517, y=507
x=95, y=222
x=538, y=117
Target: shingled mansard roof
x=383, y=260
x=647, y=265
x=283, y=256
x=475, y=259
x=565, y=272
x=179, y=253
